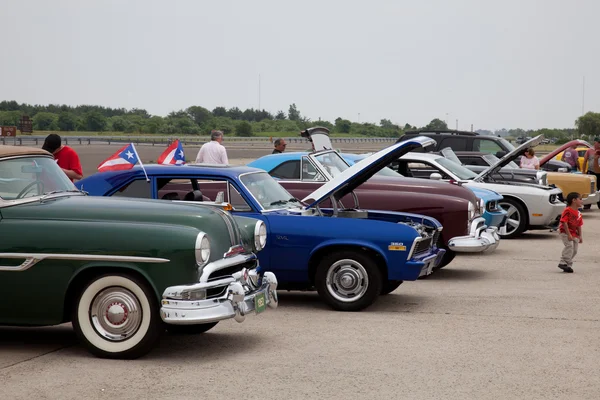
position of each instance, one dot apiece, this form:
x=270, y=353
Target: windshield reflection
x=492, y=159
x=268, y=192
x=461, y=172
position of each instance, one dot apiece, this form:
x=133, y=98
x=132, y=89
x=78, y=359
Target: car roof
x=9, y=151
x=441, y=132
x=180, y=170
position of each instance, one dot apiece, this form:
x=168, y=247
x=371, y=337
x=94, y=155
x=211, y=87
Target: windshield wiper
x=45, y=195
x=278, y=202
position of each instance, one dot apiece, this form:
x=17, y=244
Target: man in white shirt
x=213, y=152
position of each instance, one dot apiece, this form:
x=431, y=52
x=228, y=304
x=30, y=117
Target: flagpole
x=140, y=160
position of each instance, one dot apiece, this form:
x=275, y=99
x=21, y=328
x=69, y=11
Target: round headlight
x=260, y=235
x=471, y=211
x=202, y=249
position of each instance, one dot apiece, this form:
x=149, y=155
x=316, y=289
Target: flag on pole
x=125, y=158
x=173, y=154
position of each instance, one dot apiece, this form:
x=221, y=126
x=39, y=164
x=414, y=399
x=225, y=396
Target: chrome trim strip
x=33, y=258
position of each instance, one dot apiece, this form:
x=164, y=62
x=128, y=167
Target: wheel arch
x=369, y=250
x=92, y=270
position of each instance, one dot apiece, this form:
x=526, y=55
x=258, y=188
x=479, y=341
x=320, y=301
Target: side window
x=473, y=161
x=486, y=146
x=139, y=188
x=455, y=143
x=309, y=173
x=424, y=170
x=173, y=189
x=287, y=170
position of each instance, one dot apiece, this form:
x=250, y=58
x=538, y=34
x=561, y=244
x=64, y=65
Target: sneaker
x=568, y=269
x=564, y=267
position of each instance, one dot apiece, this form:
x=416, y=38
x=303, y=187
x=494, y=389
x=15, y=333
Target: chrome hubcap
x=347, y=280
x=116, y=314
x=513, y=219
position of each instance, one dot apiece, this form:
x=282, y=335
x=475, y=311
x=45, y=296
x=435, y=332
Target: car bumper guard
x=481, y=238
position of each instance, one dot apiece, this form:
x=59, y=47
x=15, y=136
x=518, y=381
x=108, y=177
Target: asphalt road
x=507, y=325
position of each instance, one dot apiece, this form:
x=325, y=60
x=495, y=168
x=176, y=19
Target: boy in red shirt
x=571, y=222
x=65, y=157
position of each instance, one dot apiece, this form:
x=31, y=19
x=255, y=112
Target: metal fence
x=166, y=140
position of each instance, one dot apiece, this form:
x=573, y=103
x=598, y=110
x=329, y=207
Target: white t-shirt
x=529, y=163
x=212, y=153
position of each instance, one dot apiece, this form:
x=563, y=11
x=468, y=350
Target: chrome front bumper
x=242, y=293
x=481, y=238
x=592, y=198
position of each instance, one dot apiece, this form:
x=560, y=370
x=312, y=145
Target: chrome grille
x=422, y=246
x=225, y=272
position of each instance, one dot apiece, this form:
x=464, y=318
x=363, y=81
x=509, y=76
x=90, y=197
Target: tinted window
x=287, y=170
x=487, y=146
x=468, y=160
x=455, y=143
x=139, y=188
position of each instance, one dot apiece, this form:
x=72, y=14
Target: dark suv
x=472, y=141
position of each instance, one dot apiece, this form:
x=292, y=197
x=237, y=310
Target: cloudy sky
x=492, y=64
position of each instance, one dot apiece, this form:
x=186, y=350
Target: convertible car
x=529, y=206
x=121, y=270
x=457, y=208
x=350, y=255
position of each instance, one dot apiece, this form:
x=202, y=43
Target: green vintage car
x=121, y=270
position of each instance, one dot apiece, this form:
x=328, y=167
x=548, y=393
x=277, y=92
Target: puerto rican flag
x=125, y=158
x=173, y=154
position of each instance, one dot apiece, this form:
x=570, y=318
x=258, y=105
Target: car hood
x=562, y=148
x=360, y=172
x=117, y=210
x=510, y=156
x=486, y=194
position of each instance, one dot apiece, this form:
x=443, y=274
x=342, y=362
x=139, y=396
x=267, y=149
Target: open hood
x=356, y=175
x=510, y=156
x=319, y=136
x=550, y=156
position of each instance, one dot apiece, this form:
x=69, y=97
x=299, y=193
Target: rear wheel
x=389, y=286
x=116, y=316
x=516, y=219
x=348, y=280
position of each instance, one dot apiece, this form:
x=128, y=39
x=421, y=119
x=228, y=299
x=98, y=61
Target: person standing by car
x=279, y=145
x=571, y=157
x=571, y=222
x=591, y=159
x=213, y=152
x=65, y=156
x=529, y=160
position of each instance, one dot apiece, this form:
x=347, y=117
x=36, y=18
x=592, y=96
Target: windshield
x=268, y=192
x=507, y=144
x=461, y=172
x=492, y=159
x=31, y=176
x=332, y=163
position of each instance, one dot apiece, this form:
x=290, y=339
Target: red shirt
x=573, y=219
x=67, y=158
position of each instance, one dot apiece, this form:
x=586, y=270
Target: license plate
x=260, y=303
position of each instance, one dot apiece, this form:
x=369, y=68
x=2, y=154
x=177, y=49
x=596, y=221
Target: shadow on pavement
x=456, y=273
x=62, y=336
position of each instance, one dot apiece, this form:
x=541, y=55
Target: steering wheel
x=28, y=188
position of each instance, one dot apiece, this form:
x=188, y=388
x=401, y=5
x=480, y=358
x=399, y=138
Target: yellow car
x=580, y=150
x=583, y=184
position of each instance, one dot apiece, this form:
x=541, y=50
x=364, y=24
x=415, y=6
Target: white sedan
x=528, y=206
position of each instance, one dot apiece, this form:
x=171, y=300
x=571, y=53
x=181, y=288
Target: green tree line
x=234, y=121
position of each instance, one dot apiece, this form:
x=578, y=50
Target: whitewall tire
x=116, y=316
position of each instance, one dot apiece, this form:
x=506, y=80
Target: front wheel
x=516, y=219
x=348, y=280
x=117, y=316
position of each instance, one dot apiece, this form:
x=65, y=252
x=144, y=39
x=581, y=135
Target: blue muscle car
x=349, y=255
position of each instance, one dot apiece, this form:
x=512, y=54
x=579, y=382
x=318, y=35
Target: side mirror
x=563, y=170
x=435, y=176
